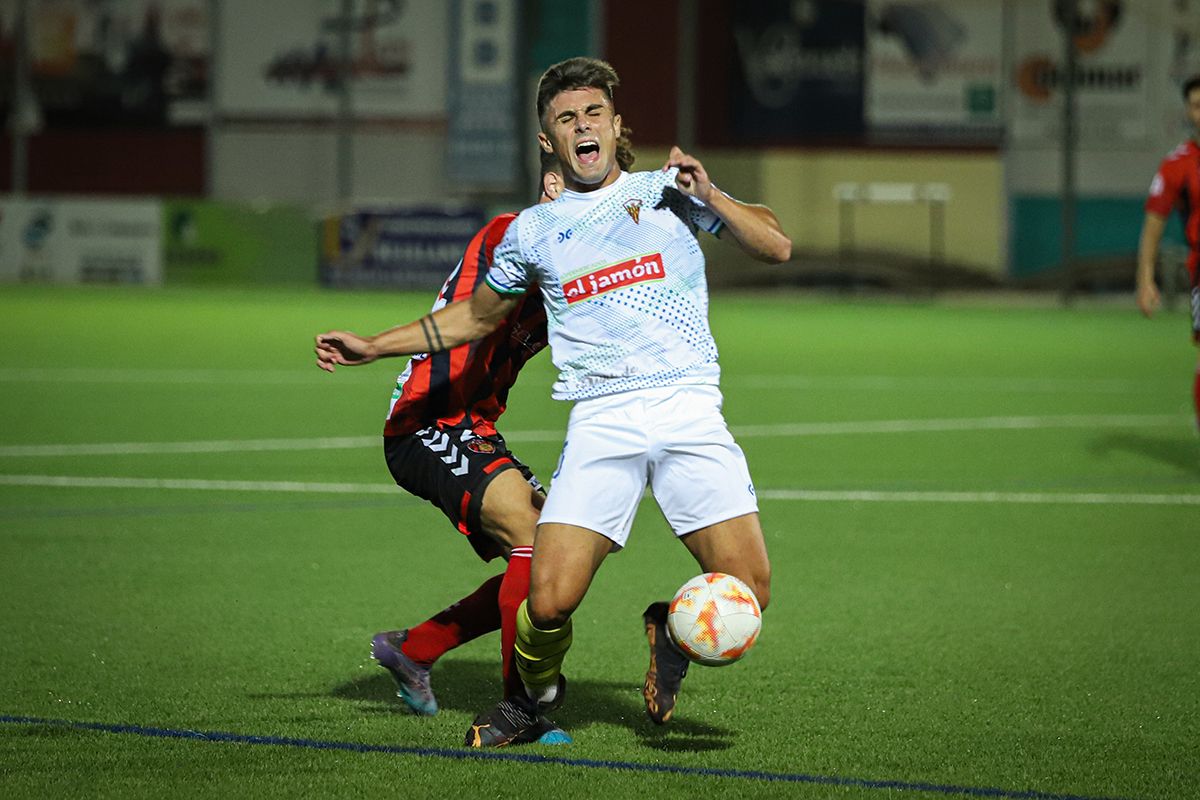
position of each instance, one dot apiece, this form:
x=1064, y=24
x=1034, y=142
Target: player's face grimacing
x=582, y=131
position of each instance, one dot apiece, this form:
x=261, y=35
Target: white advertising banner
x=53, y=240
x=934, y=64
x=279, y=58
x=1112, y=89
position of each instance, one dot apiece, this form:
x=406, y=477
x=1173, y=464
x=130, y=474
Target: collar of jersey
x=597, y=193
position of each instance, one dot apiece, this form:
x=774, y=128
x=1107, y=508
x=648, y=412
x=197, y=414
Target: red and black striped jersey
x=468, y=385
x=1176, y=185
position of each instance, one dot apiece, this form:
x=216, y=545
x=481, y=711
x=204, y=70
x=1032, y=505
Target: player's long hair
x=575, y=73
x=625, y=154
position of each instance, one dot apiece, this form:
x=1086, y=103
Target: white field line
x=827, y=496
x=743, y=431
x=960, y=424
x=86, y=375
x=68, y=482
x=214, y=446
x=1067, y=498
x=891, y=383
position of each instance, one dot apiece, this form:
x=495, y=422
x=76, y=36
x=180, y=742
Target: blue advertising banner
x=799, y=70
x=395, y=248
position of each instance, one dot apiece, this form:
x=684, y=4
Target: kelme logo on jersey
x=634, y=209
x=614, y=276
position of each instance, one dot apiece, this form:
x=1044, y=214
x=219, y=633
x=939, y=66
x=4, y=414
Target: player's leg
x=735, y=547
x=509, y=514
x=605, y=458
x=702, y=483
x=565, y=559
x=1196, y=340
x=458, y=486
x=409, y=654
x=1196, y=392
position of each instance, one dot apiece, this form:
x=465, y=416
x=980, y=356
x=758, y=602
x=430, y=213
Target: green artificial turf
x=939, y=626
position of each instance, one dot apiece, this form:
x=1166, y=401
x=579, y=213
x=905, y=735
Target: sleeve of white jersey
x=697, y=213
x=509, y=272
x=704, y=218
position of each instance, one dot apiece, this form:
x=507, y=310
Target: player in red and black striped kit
x=1176, y=185
x=441, y=444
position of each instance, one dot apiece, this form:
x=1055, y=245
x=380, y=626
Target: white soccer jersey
x=622, y=278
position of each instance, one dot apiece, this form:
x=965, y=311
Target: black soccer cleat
x=667, y=666
x=518, y=720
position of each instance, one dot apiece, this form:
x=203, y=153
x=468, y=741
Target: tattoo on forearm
x=437, y=335
x=433, y=336
x=429, y=340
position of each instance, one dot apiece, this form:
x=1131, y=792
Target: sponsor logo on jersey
x=481, y=446
x=634, y=209
x=614, y=276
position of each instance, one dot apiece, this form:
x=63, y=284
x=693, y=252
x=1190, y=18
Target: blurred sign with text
x=395, y=248
x=484, y=124
x=934, y=65
x=53, y=240
x=281, y=58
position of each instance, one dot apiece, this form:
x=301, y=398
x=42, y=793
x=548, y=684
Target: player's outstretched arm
x=1148, y=297
x=755, y=227
x=444, y=329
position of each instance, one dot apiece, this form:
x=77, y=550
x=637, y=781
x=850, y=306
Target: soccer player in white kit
x=622, y=278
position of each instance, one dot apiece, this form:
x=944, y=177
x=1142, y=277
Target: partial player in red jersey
x=441, y=444
x=1176, y=185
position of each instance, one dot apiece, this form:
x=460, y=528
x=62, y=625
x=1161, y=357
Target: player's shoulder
x=1183, y=152
x=655, y=179
x=538, y=218
x=497, y=225
x=501, y=221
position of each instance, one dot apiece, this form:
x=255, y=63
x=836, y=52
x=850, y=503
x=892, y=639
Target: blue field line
x=535, y=758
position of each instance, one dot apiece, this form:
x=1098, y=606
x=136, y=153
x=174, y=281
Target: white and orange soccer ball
x=714, y=619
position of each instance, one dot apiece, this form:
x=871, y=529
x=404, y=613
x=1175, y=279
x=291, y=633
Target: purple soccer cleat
x=412, y=679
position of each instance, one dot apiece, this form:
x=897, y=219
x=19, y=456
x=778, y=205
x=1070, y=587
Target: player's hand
x=692, y=178
x=344, y=348
x=1148, y=298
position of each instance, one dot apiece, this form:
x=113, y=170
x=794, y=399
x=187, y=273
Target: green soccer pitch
x=984, y=523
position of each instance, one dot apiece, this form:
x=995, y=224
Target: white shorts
x=673, y=438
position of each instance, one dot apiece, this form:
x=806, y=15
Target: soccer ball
x=714, y=619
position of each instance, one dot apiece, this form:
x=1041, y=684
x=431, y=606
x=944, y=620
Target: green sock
x=539, y=655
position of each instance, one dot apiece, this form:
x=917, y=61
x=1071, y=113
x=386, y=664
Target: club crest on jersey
x=614, y=276
x=481, y=446
x=634, y=209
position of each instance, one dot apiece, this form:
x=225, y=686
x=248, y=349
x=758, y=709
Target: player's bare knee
x=760, y=582
x=758, y=579
x=545, y=613
x=762, y=591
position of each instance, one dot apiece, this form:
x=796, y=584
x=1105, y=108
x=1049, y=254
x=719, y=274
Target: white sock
x=546, y=695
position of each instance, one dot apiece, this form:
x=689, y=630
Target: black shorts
x=451, y=468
